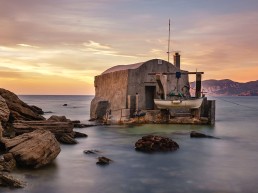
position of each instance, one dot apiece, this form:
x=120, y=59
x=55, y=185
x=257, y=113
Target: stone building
x=123, y=89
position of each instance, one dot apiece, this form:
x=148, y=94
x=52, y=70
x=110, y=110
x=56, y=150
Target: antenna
x=168, y=52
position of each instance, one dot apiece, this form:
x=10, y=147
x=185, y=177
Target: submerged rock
x=91, y=151
x=103, y=161
x=79, y=135
x=34, y=149
x=153, y=143
x=67, y=138
x=195, y=134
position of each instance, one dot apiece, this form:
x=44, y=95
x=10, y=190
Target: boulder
x=57, y=128
x=195, y=134
x=4, y=110
x=103, y=161
x=153, y=143
x=98, y=108
x=7, y=162
x=56, y=118
x=60, y=126
x=19, y=109
x=79, y=135
x=34, y=149
x=37, y=109
x=67, y=138
x=7, y=180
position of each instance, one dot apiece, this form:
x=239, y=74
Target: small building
x=122, y=90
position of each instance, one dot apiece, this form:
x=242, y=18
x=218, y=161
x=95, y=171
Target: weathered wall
x=111, y=87
x=139, y=78
x=115, y=87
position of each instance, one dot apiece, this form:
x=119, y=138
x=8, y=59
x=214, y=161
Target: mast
x=168, y=39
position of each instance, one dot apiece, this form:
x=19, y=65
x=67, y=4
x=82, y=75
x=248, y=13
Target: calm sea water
x=229, y=164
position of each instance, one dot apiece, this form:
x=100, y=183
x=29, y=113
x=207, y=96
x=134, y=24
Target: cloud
x=27, y=45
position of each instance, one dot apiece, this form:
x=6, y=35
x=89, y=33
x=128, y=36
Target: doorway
x=149, y=97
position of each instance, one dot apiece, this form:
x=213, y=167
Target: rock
x=76, y=121
x=153, y=143
x=46, y=112
x=60, y=126
x=91, y=151
x=79, y=135
x=64, y=105
x=67, y=138
x=7, y=163
x=34, y=149
x=58, y=119
x=9, y=181
x=56, y=127
x=79, y=125
x=1, y=131
x=103, y=161
x=37, y=109
x=195, y=134
x=4, y=110
x=19, y=109
x=99, y=107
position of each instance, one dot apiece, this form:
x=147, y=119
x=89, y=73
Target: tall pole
x=168, y=39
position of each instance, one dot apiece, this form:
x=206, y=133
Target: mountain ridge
x=227, y=87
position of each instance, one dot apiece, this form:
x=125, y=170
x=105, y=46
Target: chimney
x=177, y=60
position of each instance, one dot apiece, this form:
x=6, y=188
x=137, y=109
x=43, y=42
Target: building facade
x=123, y=89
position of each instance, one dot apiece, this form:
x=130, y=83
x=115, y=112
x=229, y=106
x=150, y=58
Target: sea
x=225, y=165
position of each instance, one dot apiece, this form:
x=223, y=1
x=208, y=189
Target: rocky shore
x=27, y=139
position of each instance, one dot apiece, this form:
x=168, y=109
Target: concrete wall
x=115, y=87
x=139, y=78
x=111, y=87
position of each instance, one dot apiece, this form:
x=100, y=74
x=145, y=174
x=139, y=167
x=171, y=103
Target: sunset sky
x=58, y=46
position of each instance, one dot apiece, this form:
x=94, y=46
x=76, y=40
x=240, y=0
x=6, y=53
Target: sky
x=58, y=46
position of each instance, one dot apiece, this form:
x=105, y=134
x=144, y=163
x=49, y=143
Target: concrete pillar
x=177, y=60
x=137, y=102
x=212, y=106
x=162, y=83
x=198, y=85
x=128, y=102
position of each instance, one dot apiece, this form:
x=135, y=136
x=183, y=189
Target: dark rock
x=64, y=105
x=99, y=107
x=76, y=121
x=103, y=161
x=79, y=135
x=48, y=112
x=7, y=163
x=67, y=138
x=79, y=125
x=9, y=181
x=195, y=134
x=34, y=149
x=57, y=128
x=37, y=109
x=58, y=119
x=153, y=143
x=91, y=151
x=19, y=109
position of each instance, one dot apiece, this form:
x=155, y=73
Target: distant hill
x=228, y=87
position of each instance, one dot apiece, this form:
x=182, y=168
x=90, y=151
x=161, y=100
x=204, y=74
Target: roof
x=122, y=67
